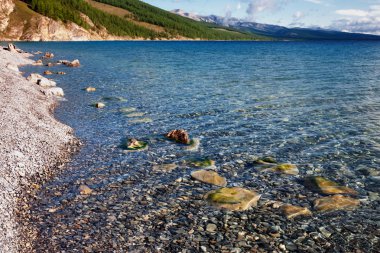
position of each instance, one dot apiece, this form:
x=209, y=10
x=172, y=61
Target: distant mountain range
x=277, y=32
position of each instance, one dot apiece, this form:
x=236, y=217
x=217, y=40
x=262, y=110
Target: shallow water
x=314, y=104
x=310, y=103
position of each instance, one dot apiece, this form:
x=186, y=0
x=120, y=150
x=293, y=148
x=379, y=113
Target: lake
x=313, y=104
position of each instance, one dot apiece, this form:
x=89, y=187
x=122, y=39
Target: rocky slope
x=18, y=22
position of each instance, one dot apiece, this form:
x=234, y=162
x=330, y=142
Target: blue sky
x=345, y=15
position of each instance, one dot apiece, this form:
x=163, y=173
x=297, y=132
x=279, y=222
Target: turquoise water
x=311, y=103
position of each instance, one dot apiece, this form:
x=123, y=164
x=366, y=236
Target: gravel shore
x=32, y=141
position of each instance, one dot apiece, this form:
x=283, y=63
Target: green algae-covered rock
x=202, y=163
x=135, y=145
x=209, y=177
x=336, y=202
x=265, y=160
x=285, y=168
x=325, y=186
x=234, y=199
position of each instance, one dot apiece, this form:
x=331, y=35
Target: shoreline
x=34, y=143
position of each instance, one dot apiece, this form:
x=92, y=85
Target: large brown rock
x=179, y=135
x=336, y=202
x=326, y=186
x=209, y=177
x=234, y=199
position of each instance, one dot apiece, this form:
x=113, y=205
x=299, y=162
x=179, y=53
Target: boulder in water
x=90, y=89
x=48, y=72
x=179, y=135
x=234, y=199
x=74, y=63
x=100, y=105
x=48, y=55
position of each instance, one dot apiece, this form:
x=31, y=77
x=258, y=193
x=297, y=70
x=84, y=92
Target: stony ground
x=32, y=141
x=134, y=209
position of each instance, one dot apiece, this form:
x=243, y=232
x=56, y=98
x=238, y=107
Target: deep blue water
x=315, y=104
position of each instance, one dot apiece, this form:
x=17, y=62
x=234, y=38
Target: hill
x=278, y=32
x=105, y=19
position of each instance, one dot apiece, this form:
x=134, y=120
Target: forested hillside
x=136, y=23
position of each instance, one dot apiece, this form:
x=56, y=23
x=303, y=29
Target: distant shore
x=33, y=142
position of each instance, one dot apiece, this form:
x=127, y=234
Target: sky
x=344, y=15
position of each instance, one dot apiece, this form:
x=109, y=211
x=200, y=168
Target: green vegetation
x=69, y=10
x=140, y=23
x=174, y=24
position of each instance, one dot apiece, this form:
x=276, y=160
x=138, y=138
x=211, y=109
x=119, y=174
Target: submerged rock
x=291, y=211
x=90, y=89
x=127, y=109
x=202, y=163
x=266, y=160
x=234, y=199
x=165, y=167
x=325, y=186
x=134, y=145
x=286, y=168
x=179, y=135
x=85, y=190
x=135, y=114
x=141, y=120
x=118, y=99
x=336, y=202
x=209, y=177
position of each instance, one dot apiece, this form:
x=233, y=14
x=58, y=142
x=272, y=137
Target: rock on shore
x=32, y=141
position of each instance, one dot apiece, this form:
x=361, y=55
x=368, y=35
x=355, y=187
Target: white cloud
x=298, y=15
x=257, y=6
x=314, y=1
x=352, y=12
x=357, y=20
